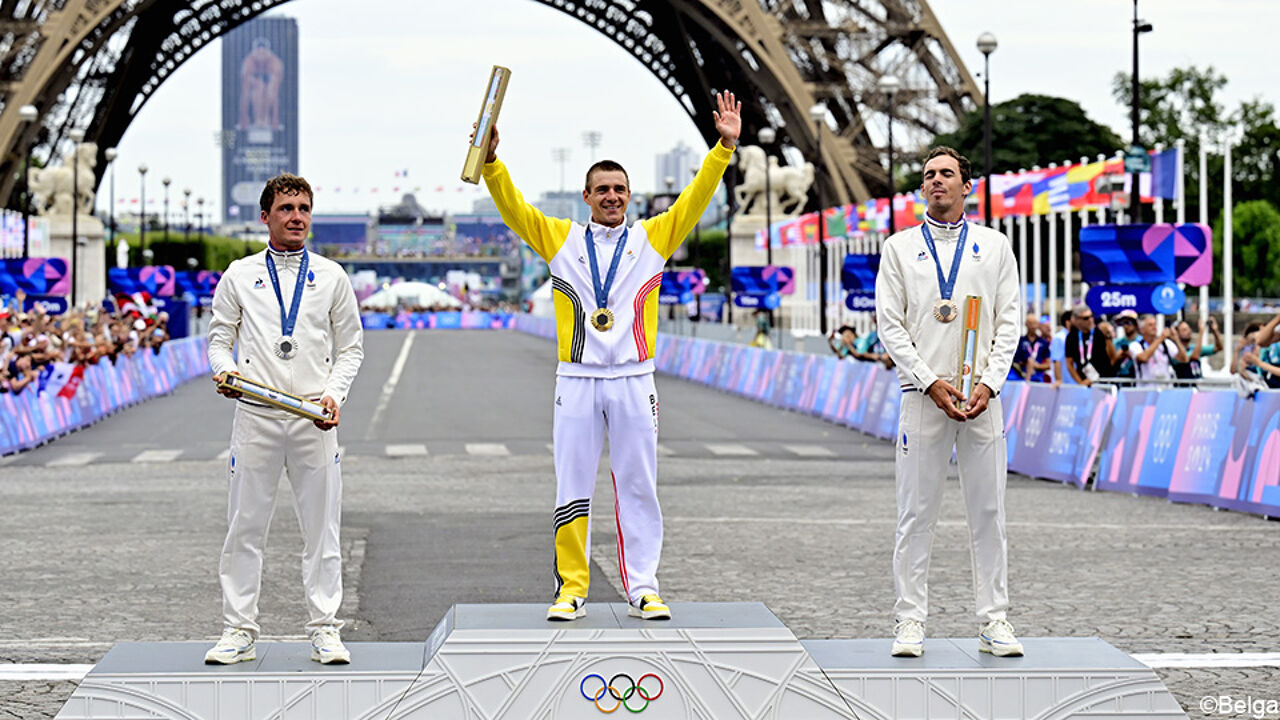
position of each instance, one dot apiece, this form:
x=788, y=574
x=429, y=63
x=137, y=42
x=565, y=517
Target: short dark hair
x=606, y=165
x=286, y=184
x=1064, y=317
x=966, y=170
x=846, y=327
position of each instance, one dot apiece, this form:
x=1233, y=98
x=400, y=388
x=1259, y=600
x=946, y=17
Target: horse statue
x=52, y=187
x=788, y=186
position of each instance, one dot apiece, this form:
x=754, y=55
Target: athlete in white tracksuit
x=326, y=354
x=927, y=353
x=605, y=279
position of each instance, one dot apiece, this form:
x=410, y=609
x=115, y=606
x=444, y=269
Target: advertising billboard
x=259, y=111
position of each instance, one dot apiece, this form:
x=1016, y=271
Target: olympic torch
x=969, y=346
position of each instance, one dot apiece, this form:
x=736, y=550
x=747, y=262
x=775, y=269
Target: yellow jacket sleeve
x=668, y=230
x=545, y=235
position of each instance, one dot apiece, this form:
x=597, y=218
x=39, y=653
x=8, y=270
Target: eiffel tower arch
x=93, y=64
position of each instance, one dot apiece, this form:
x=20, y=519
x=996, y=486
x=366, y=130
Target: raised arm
x=667, y=230
x=545, y=235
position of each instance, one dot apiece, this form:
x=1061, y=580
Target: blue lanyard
x=946, y=285
x=602, y=291
x=288, y=321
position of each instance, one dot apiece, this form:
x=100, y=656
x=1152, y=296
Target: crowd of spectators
x=848, y=345
x=33, y=344
x=1134, y=350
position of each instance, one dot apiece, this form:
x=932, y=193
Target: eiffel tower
x=93, y=64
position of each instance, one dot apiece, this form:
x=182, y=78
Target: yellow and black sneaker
x=650, y=607
x=567, y=607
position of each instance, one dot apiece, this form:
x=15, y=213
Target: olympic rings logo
x=621, y=698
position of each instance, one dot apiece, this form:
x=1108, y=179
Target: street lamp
x=142, y=211
x=818, y=113
x=1139, y=27
x=986, y=46
x=77, y=136
x=27, y=114
x=766, y=136
x=166, y=182
x=111, y=154
x=889, y=85
x=186, y=213
x=200, y=217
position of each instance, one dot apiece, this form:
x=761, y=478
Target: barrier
x=30, y=419
x=1209, y=447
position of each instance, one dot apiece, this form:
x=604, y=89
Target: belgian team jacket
x=627, y=348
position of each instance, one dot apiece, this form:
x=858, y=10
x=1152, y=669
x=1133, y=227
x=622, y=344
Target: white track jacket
x=329, y=335
x=907, y=288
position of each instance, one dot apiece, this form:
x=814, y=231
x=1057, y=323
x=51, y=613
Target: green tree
x=1255, y=249
x=1026, y=131
x=1184, y=105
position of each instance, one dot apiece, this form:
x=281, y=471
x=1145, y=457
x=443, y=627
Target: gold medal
x=945, y=310
x=602, y=319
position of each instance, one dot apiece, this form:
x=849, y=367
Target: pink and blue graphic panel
x=1127, y=434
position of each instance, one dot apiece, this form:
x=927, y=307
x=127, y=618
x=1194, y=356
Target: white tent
x=540, y=300
x=410, y=293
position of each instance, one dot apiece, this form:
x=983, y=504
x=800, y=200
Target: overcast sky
x=397, y=85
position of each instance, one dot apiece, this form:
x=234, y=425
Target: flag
x=62, y=380
x=904, y=214
x=1052, y=185
x=1080, y=180
x=1164, y=174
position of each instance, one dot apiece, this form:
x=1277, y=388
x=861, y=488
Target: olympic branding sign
x=621, y=697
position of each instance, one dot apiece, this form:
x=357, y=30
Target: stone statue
x=51, y=187
x=788, y=186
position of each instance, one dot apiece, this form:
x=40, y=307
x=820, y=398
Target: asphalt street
x=112, y=533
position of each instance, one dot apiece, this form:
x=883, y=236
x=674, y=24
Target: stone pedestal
x=90, y=274
x=791, y=311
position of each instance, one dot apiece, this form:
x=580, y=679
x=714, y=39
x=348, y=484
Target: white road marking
x=156, y=456
x=43, y=671
x=730, y=449
x=810, y=450
x=406, y=450
x=664, y=451
x=222, y=456
x=551, y=448
x=389, y=388
x=1260, y=528
x=74, y=459
x=490, y=449
x=1208, y=660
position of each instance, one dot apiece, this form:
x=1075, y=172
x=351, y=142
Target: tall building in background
x=259, y=111
x=679, y=164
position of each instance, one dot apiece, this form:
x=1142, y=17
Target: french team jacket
x=627, y=348
x=925, y=349
x=246, y=312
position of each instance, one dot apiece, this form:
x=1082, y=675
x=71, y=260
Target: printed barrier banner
x=1202, y=447
x=31, y=418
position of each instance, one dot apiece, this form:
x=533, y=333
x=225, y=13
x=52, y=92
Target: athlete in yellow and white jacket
x=606, y=327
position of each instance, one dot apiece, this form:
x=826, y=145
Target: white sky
x=397, y=84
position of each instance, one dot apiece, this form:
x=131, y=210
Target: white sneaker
x=567, y=607
x=235, y=645
x=908, y=638
x=998, y=639
x=327, y=647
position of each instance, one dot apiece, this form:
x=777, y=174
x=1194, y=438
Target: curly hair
x=287, y=184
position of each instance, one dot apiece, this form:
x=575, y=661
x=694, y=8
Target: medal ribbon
x=602, y=291
x=288, y=321
x=947, y=285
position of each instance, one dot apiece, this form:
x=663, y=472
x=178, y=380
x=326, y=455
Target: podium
x=712, y=661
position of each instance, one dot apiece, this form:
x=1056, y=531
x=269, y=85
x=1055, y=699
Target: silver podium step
x=713, y=661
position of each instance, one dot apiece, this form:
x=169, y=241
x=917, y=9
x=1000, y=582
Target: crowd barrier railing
x=30, y=418
x=1210, y=447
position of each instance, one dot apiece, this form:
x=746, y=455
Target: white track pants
x=627, y=409
x=925, y=439
x=264, y=442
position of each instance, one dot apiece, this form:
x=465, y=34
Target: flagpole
x=1053, y=254
x=1155, y=196
x=1023, y=260
x=1204, y=212
x=1228, y=286
x=1037, y=254
x=1084, y=223
x=1102, y=211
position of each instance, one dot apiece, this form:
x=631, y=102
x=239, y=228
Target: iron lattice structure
x=94, y=64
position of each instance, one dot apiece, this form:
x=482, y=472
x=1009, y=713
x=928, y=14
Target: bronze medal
x=945, y=310
x=602, y=319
